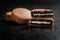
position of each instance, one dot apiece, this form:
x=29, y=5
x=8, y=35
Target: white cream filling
x=42, y=14
x=40, y=22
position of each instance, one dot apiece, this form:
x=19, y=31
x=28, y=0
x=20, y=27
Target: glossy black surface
x=15, y=31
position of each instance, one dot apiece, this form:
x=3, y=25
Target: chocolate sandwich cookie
x=44, y=13
x=42, y=22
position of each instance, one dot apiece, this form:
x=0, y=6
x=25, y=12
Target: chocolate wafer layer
x=42, y=15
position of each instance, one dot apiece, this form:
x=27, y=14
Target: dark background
x=14, y=31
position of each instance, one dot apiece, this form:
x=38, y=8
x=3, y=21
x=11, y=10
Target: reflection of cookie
x=42, y=22
x=21, y=15
x=8, y=16
x=42, y=13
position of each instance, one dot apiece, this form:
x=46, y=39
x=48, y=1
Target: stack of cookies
x=42, y=18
